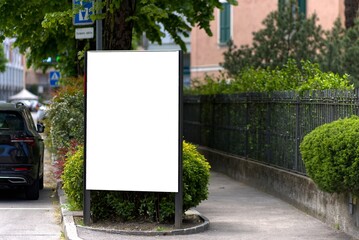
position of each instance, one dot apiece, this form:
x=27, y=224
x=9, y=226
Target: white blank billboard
x=132, y=125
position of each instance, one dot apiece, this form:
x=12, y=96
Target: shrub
x=307, y=76
x=73, y=178
x=331, y=155
x=139, y=205
x=66, y=119
x=62, y=154
x=195, y=176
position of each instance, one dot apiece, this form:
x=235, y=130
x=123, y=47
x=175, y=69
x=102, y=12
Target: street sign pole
x=87, y=193
x=83, y=18
x=179, y=194
x=99, y=29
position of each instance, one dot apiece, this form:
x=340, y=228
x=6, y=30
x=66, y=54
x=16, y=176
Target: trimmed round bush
x=331, y=155
x=195, y=176
x=150, y=206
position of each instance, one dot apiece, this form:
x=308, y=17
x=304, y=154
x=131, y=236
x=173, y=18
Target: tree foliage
x=351, y=12
x=340, y=51
x=23, y=20
x=3, y=59
x=44, y=28
x=286, y=35
x=331, y=56
x=291, y=76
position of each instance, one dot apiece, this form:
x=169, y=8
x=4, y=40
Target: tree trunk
x=117, y=34
x=351, y=11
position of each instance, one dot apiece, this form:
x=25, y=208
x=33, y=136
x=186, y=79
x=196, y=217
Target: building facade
x=239, y=22
x=12, y=80
x=169, y=44
x=37, y=81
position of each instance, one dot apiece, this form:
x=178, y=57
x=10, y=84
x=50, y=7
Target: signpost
x=84, y=33
x=54, y=77
x=83, y=16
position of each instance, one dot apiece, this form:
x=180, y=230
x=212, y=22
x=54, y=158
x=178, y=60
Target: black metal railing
x=267, y=127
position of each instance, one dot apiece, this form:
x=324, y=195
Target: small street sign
x=54, y=77
x=83, y=16
x=84, y=33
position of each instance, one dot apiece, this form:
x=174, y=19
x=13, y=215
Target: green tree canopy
x=341, y=51
x=44, y=28
x=286, y=35
x=3, y=59
x=23, y=21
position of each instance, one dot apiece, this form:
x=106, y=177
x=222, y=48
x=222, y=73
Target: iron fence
x=261, y=126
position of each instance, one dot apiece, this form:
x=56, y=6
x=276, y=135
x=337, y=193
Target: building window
x=225, y=23
x=302, y=7
x=301, y=4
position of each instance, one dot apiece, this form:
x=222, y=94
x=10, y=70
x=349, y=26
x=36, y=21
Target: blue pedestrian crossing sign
x=82, y=17
x=54, y=77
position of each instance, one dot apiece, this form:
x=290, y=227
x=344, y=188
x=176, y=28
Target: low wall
x=298, y=190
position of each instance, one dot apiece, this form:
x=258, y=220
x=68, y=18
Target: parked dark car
x=21, y=150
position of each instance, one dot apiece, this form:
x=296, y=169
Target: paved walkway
x=239, y=212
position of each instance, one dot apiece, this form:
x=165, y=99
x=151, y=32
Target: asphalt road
x=31, y=220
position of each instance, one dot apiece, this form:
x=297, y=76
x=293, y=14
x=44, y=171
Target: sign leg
x=178, y=210
x=87, y=207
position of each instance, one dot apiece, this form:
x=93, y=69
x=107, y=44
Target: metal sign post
x=179, y=194
x=99, y=29
x=87, y=193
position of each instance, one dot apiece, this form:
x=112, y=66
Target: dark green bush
x=65, y=118
x=139, y=205
x=331, y=155
x=72, y=177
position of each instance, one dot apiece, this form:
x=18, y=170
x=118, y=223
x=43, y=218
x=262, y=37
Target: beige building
x=38, y=82
x=239, y=22
x=12, y=80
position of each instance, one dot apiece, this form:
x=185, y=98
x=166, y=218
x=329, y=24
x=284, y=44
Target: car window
x=29, y=119
x=11, y=121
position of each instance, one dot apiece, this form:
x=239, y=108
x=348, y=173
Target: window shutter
x=225, y=23
x=302, y=7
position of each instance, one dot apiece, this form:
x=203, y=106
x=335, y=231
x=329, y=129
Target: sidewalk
x=237, y=211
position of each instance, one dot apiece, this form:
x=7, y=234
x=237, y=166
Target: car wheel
x=41, y=183
x=32, y=192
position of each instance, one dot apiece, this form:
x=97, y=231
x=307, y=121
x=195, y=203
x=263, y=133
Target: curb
x=70, y=229
x=68, y=225
x=185, y=231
